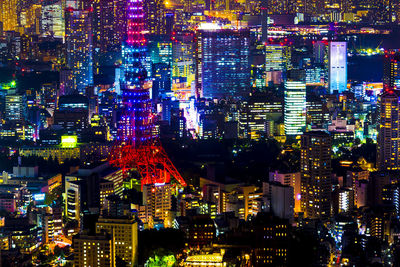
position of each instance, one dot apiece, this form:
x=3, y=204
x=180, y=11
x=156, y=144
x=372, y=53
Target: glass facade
x=225, y=63
x=337, y=66
x=295, y=107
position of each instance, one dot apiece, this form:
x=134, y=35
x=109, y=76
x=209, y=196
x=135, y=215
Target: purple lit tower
x=136, y=145
x=136, y=124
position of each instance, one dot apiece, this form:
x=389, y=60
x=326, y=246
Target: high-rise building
x=316, y=185
x=30, y=17
x=255, y=113
x=277, y=62
x=277, y=57
x=155, y=22
x=16, y=109
x=183, y=61
x=319, y=52
x=124, y=232
x=295, y=107
x=157, y=200
x=337, y=66
x=103, y=25
x=388, y=140
x=264, y=20
x=94, y=250
x=52, y=20
x=109, y=24
x=391, y=69
x=222, y=63
x=9, y=15
x=78, y=40
x=317, y=114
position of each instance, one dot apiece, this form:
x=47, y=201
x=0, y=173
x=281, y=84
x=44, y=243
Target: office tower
x=317, y=112
x=103, y=25
x=319, y=52
x=337, y=66
x=295, y=107
x=124, y=232
x=182, y=56
x=315, y=166
x=264, y=21
x=29, y=18
x=169, y=22
x=388, y=140
x=78, y=40
x=109, y=24
x=52, y=20
x=120, y=20
x=277, y=62
x=223, y=63
x=391, y=198
x=154, y=19
x=255, y=113
x=391, y=69
x=157, y=200
x=16, y=109
x=94, y=250
x=277, y=57
x=8, y=15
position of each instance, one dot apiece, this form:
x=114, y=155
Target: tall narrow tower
x=316, y=186
x=264, y=21
x=136, y=146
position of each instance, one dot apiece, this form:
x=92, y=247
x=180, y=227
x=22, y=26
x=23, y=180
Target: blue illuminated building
x=223, y=65
x=337, y=67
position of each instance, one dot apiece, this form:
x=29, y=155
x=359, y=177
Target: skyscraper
x=277, y=60
x=315, y=163
x=15, y=107
x=319, y=52
x=155, y=22
x=109, y=24
x=391, y=69
x=388, y=147
x=337, y=66
x=52, y=20
x=264, y=20
x=223, y=62
x=158, y=203
x=8, y=15
x=103, y=24
x=295, y=107
x=78, y=39
x=277, y=57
